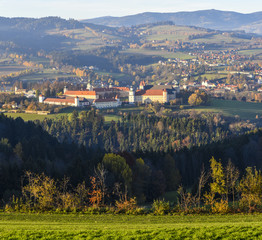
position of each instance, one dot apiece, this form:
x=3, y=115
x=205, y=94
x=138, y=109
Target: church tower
x=77, y=104
x=89, y=87
x=41, y=98
x=131, y=95
x=165, y=96
x=142, y=85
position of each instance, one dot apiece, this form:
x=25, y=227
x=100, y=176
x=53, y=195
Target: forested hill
x=151, y=172
x=27, y=34
x=214, y=19
x=27, y=147
x=37, y=24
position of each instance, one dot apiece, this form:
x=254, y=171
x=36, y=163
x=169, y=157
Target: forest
x=82, y=146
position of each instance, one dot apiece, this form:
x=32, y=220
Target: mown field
x=46, y=74
x=7, y=69
x=33, y=117
x=161, y=53
x=43, y=226
x=244, y=110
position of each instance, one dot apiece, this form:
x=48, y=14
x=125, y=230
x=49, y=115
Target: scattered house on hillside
x=20, y=91
x=208, y=84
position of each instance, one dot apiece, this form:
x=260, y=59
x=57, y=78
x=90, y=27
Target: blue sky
x=83, y=9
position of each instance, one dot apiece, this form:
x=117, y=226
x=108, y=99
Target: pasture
x=82, y=226
x=46, y=74
x=12, y=68
x=251, y=52
x=244, y=110
x=161, y=53
x=32, y=117
x=171, y=32
x=84, y=39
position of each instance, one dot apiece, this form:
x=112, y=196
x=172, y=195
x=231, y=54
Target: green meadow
x=81, y=226
x=46, y=74
x=161, y=53
x=32, y=117
x=244, y=110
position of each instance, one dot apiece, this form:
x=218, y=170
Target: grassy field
x=33, y=117
x=244, y=110
x=211, y=76
x=46, y=75
x=7, y=69
x=171, y=32
x=84, y=38
x=43, y=226
x=251, y=52
x=161, y=53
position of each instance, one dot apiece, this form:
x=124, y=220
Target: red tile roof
x=126, y=89
x=80, y=93
x=60, y=100
x=149, y=92
x=105, y=100
x=103, y=89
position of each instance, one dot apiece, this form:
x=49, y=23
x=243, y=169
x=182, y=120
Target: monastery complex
x=110, y=97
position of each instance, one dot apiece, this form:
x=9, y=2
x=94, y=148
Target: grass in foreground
x=43, y=226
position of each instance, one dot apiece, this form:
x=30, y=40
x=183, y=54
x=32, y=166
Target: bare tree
x=100, y=174
x=203, y=178
x=232, y=175
x=186, y=199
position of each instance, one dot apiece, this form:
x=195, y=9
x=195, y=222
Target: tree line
x=219, y=190
x=146, y=175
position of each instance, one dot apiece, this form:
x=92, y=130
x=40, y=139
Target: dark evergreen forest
x=149, y=155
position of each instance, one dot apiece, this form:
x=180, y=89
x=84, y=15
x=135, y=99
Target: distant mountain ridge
x=214, y=19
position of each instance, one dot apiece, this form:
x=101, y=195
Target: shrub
x=220, y=207
x=160, y=207
x=126, y=205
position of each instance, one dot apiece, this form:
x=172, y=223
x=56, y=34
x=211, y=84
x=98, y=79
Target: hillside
x=214, y=19
x=51, y=33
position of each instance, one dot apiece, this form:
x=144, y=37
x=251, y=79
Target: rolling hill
x=214, y=19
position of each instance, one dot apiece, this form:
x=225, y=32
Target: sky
x=85, y=9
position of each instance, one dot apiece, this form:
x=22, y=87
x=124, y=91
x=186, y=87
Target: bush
x=160, y=207
x=220, y=207
x=126, y=205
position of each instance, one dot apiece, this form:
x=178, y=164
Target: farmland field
x=33, y=117
x=46, y=74
x=7, y=69
x=44, y=226
x=171, y=32
x=251, y=52
x=245, y=110
x=161, y=53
